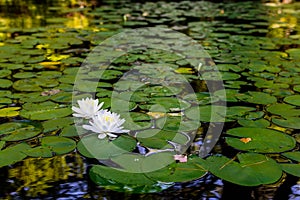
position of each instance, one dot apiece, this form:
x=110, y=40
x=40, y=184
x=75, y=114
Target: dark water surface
x=226, y=30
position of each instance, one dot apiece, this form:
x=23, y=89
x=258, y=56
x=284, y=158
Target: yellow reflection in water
x=77, y=20
x=37, y=174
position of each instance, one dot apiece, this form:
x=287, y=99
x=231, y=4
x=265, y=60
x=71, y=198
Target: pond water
x=52, y=54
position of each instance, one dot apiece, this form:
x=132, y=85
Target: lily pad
x=294, y=100
x=9, y=112
x=289, y=122
x=177, y=124
x=284, y=110
x=13, y=154
x=251, y=170
x=181, y=172
x=257, y=98
x=207, y=113
x=15, y=131
x=4, y=83
x=261, y=140
x=38, y=152
x=45, y=114
x=293, y=155
x=26, y=85
x=293, y=169
x=57, y=144
x=158, y=139
x=260, y=123
x=93, y=147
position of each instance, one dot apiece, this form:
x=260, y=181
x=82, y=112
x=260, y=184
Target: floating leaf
x=9, y=112
x=284, y=110
x=257, y=98
x=289, y=122
x=262, y=140
x=294, y=100
x=55, y=124
x=293, y=169
x=260, y=123
x=113, y=178
x=26, y=85
x=4, y=73
x=38, y=152
x=158, y=139
x=45, y=114
x=4, y=83
x=92, y=147
x=293, y=155
x=13, y=154
x=58, y=144
x=72, y=131
x=15, y=131
x=194, y=168
x=207, y=113
x=252, y=169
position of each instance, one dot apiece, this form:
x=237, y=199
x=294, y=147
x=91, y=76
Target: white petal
x=78, y=115
x=101, y=135
x=111, y=135
x=87, y=127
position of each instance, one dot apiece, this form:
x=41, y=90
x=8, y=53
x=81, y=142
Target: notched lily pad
x=251, y=170
x=93, y=147
x=257, y=98
x=261, y=140
x=57, y=144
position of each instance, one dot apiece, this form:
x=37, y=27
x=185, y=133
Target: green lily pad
x=45, y=114
x=15, y=131
x=57, y=144
x=113, y=178
x=21, y=75
x=4, y=73
x=251, y=170
x=293, y=155
x=181, y=172
x=62, y=97
x=158, y=139
x=257, y=98
x=293, y=169
x=260, y=123
x=93, y=147
x=284, y=110
x=207, y=113
x=55, y=124
x=9, y=112
x=289, y=122
x=72, y=131
x=2, y=144
x=38, y=152
x=13, y=154
x=262, y=140
x=26, y=85
x=294, y=53
x=4, y=83
x=297, y=88
x=177, y=124
x=163, y=91
x=294, y=100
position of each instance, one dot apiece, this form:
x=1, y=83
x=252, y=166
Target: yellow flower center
x=108, y=118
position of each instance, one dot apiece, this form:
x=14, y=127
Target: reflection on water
x=64, y=177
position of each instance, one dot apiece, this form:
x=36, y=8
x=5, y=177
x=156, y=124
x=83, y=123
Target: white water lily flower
x=106, y=123
x=88, y=108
